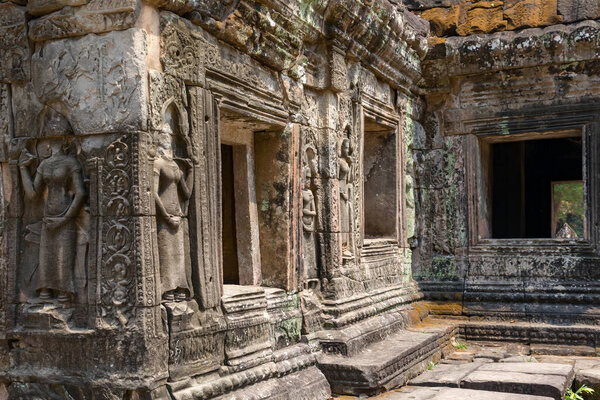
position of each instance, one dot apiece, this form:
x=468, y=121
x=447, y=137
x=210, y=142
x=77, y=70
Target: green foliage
x=568, y=206
x=459, y=345
x=578, y=394
x=432, y=365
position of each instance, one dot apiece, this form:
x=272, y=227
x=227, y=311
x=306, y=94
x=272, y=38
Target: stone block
x=422, y=393
x=462, y=356
x=482, y=17
x=519, y=359
x=429, y=4
x=578, y=10
x=530, y=13
x=524, y=378
x=42, y=7
x=97, y=82
x=449, y=375
x=443, y=20
x=14, y=58
x=591, y=378
x=97, y=16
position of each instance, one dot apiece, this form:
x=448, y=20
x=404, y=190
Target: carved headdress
x=53, y=123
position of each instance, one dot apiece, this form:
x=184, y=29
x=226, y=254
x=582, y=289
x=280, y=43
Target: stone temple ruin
x=285, y=199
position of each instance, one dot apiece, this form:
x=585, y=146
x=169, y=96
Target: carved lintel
x=98, y=16
x=42, y=7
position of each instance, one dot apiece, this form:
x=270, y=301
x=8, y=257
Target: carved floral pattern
x=117, y=278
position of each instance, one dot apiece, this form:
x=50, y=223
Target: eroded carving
x=117, y=276
x=346, y=185
x=173, y=184
x=309, y=216
x=59, y=181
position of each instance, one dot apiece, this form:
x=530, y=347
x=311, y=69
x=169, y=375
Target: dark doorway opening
x=229, y=240
x=522, y=177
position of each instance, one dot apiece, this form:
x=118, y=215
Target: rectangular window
x=534, y=187
x=380, y=181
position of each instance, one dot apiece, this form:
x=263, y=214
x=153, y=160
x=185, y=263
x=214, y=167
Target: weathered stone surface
x=427, y=4
x=420, y=393
x=530, y=13
x=590, y=378
x=145, y=128
x=482, y=17
x=14, y=65
x=376, y=368
x=42, y=7
x=94, y=16
x=444, y=21
x=449, y=375
x=95, y=76
x=578, y=10
x=526, y=378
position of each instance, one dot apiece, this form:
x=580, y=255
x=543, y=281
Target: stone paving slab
x=591, y=378
x=449, y=375
x=541, y=379
x=427, y=393
x=519, y=359
x=530, y=368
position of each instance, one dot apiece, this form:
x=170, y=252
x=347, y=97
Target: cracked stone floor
x=501, y=371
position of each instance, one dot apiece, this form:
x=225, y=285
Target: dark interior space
x=521, y=184
x=229, y=244
x=379, y=181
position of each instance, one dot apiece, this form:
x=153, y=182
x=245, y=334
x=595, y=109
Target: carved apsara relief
x=58, y=182
x=346, y=175
x=309, y=215
x=173, y=185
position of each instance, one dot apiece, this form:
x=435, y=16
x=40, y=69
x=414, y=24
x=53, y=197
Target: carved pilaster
x=4, y=169
x=337, y=69
x=205, y=210
x=116, y=268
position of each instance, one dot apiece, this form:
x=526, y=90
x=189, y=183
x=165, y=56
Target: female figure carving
x=309, y=212
x=308, y=203
x=59, y=181
x=172, y=189
x=346, y=194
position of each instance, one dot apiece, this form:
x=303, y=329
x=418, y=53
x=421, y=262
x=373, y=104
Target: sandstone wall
x=112, y=117
x=463, y=18
x=503, y=70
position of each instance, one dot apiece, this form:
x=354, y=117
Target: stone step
x=542, y=379
x=444, y=393
x=386, y=364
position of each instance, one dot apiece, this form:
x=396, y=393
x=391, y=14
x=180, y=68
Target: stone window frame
x=548, y=121
x=384, y=114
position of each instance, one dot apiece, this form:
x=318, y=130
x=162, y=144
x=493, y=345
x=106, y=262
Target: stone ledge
x=475, y=54
x=376, y=368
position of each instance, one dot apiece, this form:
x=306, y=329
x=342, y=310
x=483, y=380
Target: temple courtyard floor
x=501, y=371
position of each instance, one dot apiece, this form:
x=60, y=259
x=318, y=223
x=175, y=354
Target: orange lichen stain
x=531, y=13
x=434, y=41
x=482, y=17
x=444, y=308
x=443, y=21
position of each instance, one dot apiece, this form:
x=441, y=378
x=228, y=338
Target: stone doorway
x=255, y=201
x=240, y=232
